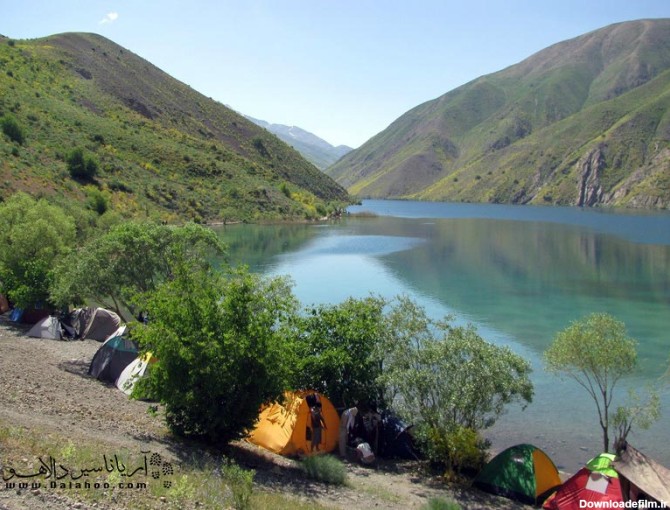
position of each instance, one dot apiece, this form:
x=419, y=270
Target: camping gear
x=365, y=454
x=115, y=354
x=285, y=427
x=102, y=323
x=640, y=475
x=135, y=370
x=396, y=440
x=523, y=473
x=597, y=483
x=77, y=321
x=49, y=327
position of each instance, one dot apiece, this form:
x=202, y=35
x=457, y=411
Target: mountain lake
x=519, y=274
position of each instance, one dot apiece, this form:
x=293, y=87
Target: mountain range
x=315, y=150
x=161, y=149
x=584, y=122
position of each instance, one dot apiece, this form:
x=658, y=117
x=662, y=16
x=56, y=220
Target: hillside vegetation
x=156, y=147
x=584, y=122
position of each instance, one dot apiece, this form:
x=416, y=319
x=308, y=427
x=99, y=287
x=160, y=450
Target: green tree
x=448, y=380
x=129, y=259
x=596, y=352
x=11, y=128
x=34, y=236
x=336, y=350
x=80, y=166
x=220, y=346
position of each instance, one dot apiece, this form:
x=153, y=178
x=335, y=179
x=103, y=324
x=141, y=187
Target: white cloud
x=110, y=17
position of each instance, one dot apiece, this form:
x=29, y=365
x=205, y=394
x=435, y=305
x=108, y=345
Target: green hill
x=583, y=122
x=162, y=149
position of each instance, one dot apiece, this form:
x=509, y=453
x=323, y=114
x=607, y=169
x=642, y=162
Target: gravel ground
x=45, y=389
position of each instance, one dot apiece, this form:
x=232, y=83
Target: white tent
x=133, y=373
x=49, y=327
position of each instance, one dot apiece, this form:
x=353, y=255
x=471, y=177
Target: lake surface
x=518, y=273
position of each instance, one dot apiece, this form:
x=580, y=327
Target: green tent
x=522, y=472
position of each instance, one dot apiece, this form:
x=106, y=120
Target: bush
x=81, y=167
x=325, y=468
x=337, y=349
x=34, y=235
x=12, y=130
x=220, y=349
x=241, y=484
x=460, y=449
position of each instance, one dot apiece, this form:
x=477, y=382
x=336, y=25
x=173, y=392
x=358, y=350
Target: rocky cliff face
x=590, y=190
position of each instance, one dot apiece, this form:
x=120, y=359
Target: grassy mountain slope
x=314, y=149
x=582, y=122
x=163, y=149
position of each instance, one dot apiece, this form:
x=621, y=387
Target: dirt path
x=45, y=389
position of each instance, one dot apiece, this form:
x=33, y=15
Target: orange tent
x=286, y=427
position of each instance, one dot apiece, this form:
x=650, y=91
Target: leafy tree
x=129, y=259
x=337, y=350
x=596, y=352
x=448, y=380
x=636, y=413
x=34, y=235
x=220, y=347
x=11, y=128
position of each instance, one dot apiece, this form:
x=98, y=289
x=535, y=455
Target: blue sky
x=342, y=69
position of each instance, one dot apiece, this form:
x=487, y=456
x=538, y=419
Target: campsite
x=47, y=399
x=54, y=398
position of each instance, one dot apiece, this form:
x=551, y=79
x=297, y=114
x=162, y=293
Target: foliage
x=240, y=482
x=447, y=379
x=180, y=165
x=81, y=167
x=11, y=128
x=33, y=237
x=596, y=352
x=336, y=350
x=459, y=449
x=448, y=374
x=129, y=259
x=325, y=468
x=220, y=346
x=636, y=413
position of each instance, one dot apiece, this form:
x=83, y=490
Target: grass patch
x=441, y=504
x=212, y=484
x=325, y=468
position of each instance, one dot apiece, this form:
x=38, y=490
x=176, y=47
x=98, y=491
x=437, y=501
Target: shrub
x=460, y=449
x=11, y=129
x=220, y=347
x=240, y=482
x=325, y=468
x=81, y=167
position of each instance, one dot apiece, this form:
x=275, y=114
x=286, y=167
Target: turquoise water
x=518, y=273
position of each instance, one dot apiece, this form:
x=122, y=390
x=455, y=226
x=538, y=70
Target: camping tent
x=285, y=427
x=50, y=328
x=522, y=472
x=101, y=324
x=397, y=441
x=597, y=483
x=642, y=474
x=112, y=357
x=135, y=370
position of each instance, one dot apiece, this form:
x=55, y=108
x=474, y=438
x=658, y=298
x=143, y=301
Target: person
x=318, y=424
x=346, y=425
